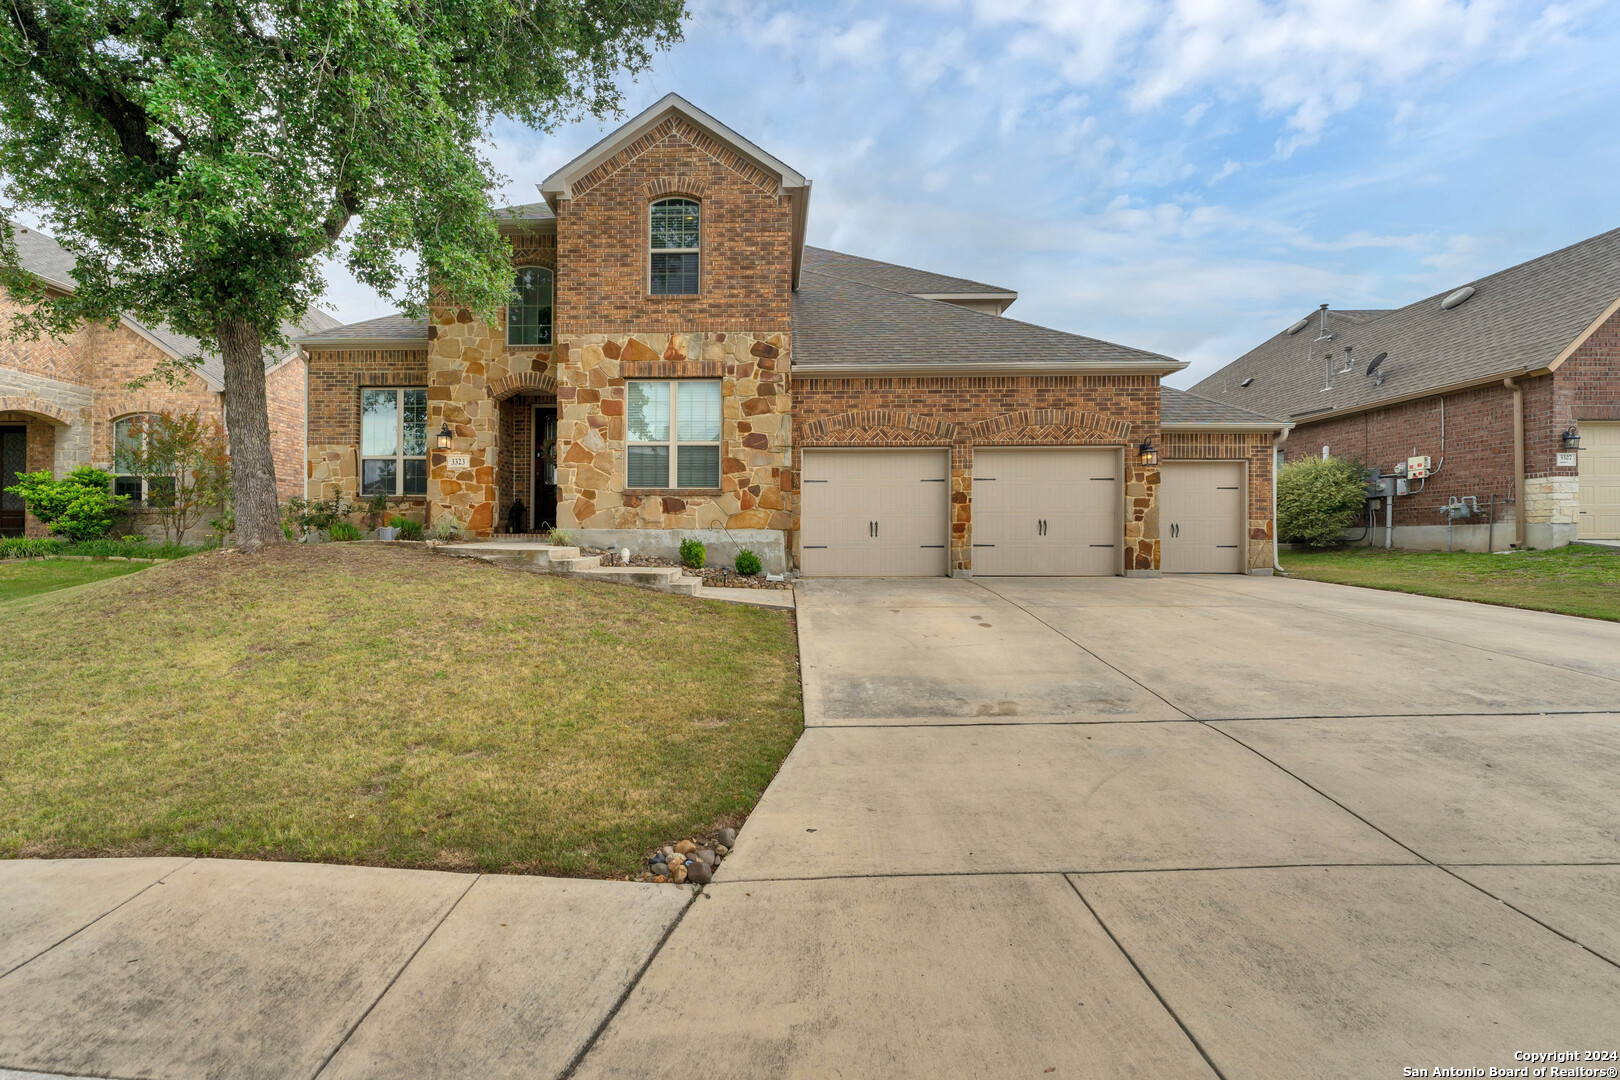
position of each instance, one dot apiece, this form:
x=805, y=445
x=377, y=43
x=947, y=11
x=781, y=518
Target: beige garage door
x=875, y=513
x=1600, y=481
x=1202, y=517
x=1045, y=512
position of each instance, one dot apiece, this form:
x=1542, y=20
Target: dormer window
x=674, y=238
x=528, y=314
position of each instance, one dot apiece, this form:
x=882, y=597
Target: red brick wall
x=602, y=245
x=1587, y=386
x=335, y=379
x=966, y=411
x=64, y=359
x=284, y=398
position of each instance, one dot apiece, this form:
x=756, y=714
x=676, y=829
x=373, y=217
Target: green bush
x=409, y=530
x=693, y=553
x=344, y=530
x=748, y=563
x=80, y=506
x=1318, y=499
x=18, y=547
x=313, y=515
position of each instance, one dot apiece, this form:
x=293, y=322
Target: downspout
x=1518, y=461
x=1276, y=552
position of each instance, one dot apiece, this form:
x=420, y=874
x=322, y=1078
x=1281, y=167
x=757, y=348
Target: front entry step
x=556, y=559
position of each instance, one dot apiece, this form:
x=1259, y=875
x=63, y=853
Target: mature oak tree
x=200, y=158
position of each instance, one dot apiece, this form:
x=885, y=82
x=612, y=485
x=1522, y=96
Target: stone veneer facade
x=1257, y=451
x=964, y=412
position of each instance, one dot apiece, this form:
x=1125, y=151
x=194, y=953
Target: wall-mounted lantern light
x=444, y=436
x=1148, y=453
x=1572, y=440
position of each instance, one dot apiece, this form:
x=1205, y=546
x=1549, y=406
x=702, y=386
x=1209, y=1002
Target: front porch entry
x=528, y=464
x=13, y=460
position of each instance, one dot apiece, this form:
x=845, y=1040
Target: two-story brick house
x=677, y=362
x=1508, y=384
x=65, y=402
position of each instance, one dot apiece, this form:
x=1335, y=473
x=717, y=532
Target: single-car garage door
x=1600, y=481
x=1202, y=517
x=875, y=513
x=1046, y=512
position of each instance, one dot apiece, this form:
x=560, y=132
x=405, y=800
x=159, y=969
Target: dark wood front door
x=13, y=460
x=545, y=467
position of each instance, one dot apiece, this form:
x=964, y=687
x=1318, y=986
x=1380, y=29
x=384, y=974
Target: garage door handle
x=1175, y=531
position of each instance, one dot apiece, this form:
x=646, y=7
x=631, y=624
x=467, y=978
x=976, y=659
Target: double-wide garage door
x=869, y=513
x=1599, y=481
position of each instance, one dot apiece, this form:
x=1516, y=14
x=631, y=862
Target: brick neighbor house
x=64, y=402
x=677, y=362
x=1494, y=381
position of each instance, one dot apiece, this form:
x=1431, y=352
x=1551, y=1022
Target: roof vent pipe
x=1323, y=334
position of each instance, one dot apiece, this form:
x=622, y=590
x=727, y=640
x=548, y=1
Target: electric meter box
x=1380, y=487
x=1417, y=467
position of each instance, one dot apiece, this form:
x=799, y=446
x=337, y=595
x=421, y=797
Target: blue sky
x=1186, y=176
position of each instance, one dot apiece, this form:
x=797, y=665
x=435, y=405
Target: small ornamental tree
x=80, y=506
x=199, y=159
x=1318, y=499
x=186, y=465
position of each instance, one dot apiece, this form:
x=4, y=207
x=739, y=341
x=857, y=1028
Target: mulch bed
x=720, y=577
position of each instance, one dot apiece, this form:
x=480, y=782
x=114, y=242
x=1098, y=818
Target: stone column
x=459, y=346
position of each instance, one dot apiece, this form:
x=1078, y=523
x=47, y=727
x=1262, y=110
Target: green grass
x=1574, y=580
x=373, y=704
x=19, y=578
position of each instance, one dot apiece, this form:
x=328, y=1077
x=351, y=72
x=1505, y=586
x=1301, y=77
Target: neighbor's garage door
x=875, y=513
x=1600, y=482
x=1202, y=517
x=1045, y=512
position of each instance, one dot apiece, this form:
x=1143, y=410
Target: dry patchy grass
x=348, y=703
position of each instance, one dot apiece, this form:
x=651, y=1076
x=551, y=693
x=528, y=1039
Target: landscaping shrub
x=18, y=547
x=396, y=522
x=313, y=515
x=560, y=537
x=409, y=530
x=344, y=530
x=1318, y=499
x=446, y=528
x=185, y=464
x=692, y=554
x=748, y=563
x=80, y=506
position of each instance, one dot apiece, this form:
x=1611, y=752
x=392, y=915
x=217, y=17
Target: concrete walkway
x=1089, y=828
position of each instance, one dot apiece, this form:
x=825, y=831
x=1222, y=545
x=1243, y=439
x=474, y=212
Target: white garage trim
x=1047, y=511
x=868, y=512
x=1599, y=483
x=1204, y=517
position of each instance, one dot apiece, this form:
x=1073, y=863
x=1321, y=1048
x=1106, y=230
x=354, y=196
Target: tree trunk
x=247, y=423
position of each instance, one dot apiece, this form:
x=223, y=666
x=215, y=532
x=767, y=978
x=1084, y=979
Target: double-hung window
x=130, y=437
x=674, y=256
x=393, y=442
x=674, y=434
x=528, y=313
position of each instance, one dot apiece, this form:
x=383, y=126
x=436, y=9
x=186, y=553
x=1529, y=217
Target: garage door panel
x=1045, y=512
x=1599, y=484
x=1203, y=517
x=875, y=513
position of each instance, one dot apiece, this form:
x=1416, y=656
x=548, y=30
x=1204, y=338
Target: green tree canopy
x=199, y=158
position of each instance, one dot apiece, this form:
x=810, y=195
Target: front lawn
x=372, y=704
x=1574, y=580
x=29, y=577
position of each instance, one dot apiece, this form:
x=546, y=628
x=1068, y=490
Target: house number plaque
x=458, y=461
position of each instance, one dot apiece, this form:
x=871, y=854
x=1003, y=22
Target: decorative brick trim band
x=674, y=185
x=53, y=413
x=1047, y=419
x=392, y=378
x=522, y=382
x=1582, y=412
x=872, y=419
x=672, y=369
x=534, y=249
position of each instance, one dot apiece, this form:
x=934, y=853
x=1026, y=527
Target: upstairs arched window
x=676, y=235
x=528, y=315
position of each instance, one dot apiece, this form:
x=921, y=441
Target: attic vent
x=1458, y=298
x=1247, y=382
x=1297, y=327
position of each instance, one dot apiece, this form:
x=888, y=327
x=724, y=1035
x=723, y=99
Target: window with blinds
x=674, y=434
x=674, y=241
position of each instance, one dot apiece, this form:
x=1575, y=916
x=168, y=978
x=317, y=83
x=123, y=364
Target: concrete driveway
x=1101, y=828
x=1192, y=827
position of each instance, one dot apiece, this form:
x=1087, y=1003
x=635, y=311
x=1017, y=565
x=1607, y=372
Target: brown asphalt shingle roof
x=395, y=327
x=1519, y=319
x=899, y=278
x=1180, y=407
x=840, y=321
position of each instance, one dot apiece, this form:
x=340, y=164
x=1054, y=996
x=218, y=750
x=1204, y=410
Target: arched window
x=675, y=237
x=130, y=459
x=528, y=315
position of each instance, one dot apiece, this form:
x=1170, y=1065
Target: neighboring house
x=677, y=362
x=1494, y=381
x=64, y=402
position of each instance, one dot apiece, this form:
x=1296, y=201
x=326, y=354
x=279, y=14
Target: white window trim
x=673, y=442
x=698, y=251
x=551, y=328
x=399, y=457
